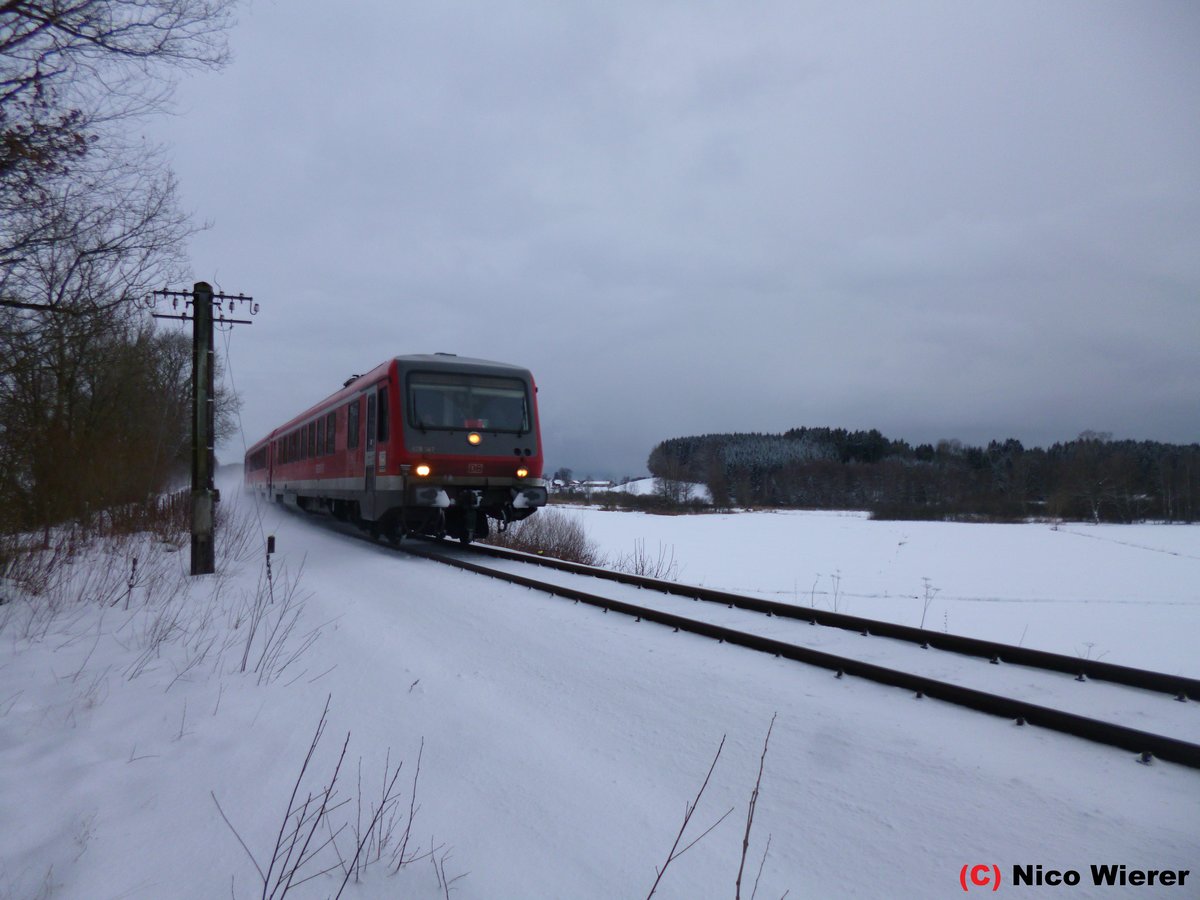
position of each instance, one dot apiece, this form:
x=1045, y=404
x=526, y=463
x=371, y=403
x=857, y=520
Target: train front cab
x=468, y=453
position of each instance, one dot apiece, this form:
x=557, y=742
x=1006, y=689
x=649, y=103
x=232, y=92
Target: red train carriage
x=426, y=444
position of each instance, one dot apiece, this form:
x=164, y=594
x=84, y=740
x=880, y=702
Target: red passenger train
x=425, y=444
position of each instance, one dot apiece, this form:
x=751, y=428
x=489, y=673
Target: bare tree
x=94, y=412
x=69, y=71
x=91, y=400
x=67, y=65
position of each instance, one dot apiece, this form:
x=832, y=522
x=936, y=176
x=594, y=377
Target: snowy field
x=1128, y=594
x=559, y=746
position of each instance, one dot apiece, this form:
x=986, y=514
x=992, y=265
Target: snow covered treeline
x=1093, y=477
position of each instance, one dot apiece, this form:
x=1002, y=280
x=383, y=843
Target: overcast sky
x=943, y=220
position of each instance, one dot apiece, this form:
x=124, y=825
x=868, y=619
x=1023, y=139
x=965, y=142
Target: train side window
x=382, y=433
x=312, y=439
x=371, y=422
x=352, y=425
x=294, y=446
x=303, y=442
x=331, y=433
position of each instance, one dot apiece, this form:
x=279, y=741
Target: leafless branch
x=675, y=853
x=750, y=813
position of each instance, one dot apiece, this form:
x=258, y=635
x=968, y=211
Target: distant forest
x=1091, y=478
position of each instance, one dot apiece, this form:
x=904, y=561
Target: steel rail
x=1181, y=686
x=1132, y=739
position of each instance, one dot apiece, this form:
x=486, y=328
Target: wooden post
x=204, y=495
x=204, y=405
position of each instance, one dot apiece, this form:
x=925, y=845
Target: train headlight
x=474, y=439
x=422, y=470
x=522, y=472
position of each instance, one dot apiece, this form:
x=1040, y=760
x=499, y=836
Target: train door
x=375, y=449
x=369, y=459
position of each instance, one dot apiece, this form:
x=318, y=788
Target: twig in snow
x=750, y=814
x=675, y=853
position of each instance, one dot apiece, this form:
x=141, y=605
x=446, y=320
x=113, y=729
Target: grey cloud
x=938, y=219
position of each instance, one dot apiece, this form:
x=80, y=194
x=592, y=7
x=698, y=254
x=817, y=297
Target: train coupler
x=528, y=497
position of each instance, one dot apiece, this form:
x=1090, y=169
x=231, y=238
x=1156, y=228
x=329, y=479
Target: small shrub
x=166, y=516
x=661, y=566
x=307, y=843
x=549, y=532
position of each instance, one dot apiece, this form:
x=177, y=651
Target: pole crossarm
x=220, y=303
x=219, y=320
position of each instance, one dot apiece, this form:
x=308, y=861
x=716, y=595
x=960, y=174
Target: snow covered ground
x=561, y=745
x=1129, y=594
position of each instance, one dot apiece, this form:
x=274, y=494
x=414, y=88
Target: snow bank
x=562, y=744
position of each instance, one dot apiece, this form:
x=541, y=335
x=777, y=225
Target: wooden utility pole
x=204, y=492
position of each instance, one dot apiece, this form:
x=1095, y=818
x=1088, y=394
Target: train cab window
x=352, y=416
x=382, y=432
x=331, y=433
x=440, y=400
x=321, y=436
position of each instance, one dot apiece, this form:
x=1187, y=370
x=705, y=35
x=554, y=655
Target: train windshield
x=484, y=402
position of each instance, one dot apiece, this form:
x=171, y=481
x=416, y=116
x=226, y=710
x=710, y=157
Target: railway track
x=1148, y=713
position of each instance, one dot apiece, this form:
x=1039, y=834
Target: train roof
x=451, y=361
x=406, y=363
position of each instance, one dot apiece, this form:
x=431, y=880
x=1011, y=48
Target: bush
x=549, y=532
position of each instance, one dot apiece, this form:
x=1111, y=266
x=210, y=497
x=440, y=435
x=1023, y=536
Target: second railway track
x=1148, y=713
